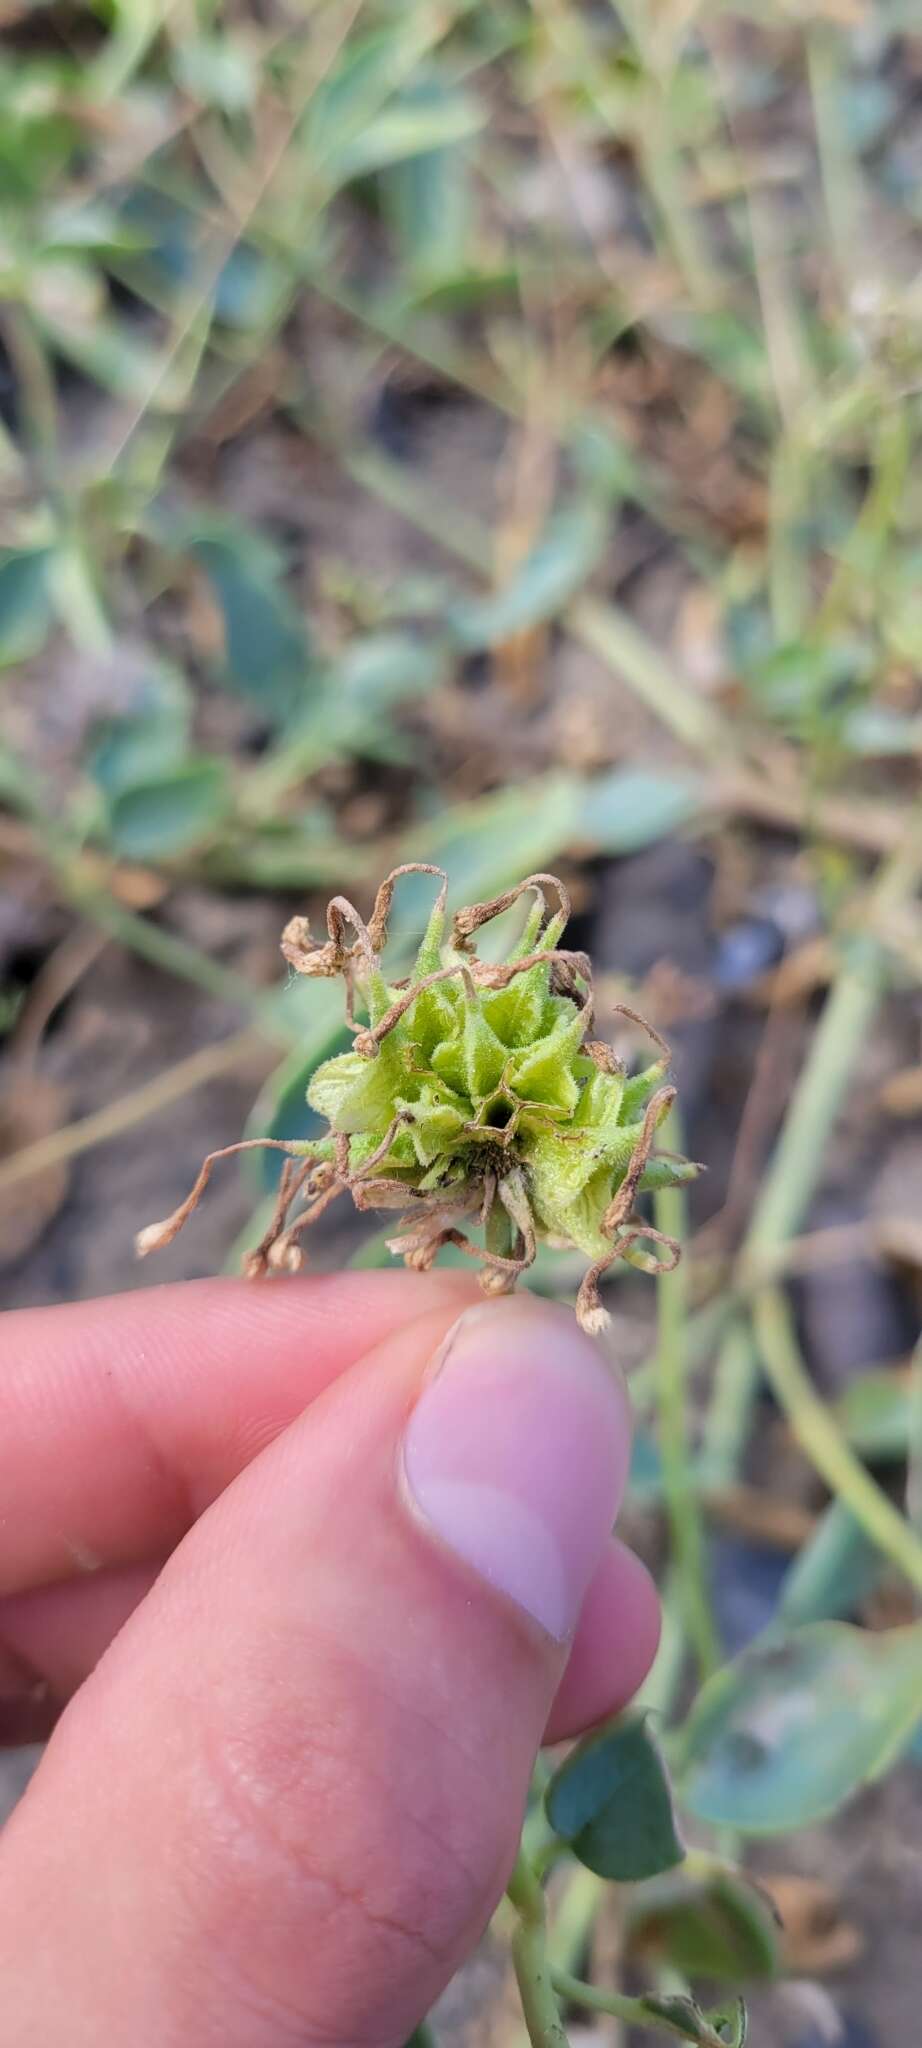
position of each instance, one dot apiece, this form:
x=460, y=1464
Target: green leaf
x=484, y=845
x=803, y=678
x=410, y=126
x=792, y=1728
x=25, y=603
x=875, y=1412
x=215, y=70
x=557, y=566
x=426, y=200
x=713, y=1924
x=611, y=1801
x=267, y=652
x=630, y=808
x=833, y=1573
x=349, y=710
x=385, y=669
x=155, y=820
x=879, y=730
x=145, y=744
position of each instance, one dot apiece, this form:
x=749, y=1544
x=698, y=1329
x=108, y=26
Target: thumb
x=284, y=1805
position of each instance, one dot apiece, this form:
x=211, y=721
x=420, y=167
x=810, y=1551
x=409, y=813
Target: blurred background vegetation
x=490, y=434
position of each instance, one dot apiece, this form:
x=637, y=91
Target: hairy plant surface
x=473, y=1093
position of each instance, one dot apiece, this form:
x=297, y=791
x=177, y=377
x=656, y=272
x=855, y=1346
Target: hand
x=314, y=1583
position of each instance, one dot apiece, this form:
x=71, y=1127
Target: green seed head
x=474, y=1094
x=475, y=1091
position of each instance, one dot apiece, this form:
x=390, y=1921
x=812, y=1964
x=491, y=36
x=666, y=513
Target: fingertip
x=614, y=1647
x=517, y=1454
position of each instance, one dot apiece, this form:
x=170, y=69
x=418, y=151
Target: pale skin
x=293, y=1723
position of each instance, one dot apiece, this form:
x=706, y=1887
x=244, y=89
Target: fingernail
x=516, y=1454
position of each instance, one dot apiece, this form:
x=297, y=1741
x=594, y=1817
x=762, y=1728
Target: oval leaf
x=153, y=820
x=715, y=1925
x=832, y=1573
x=25, y=603
x=791, y=1729
x=267, y=652
x=611, y=1801
x=630, y=808
x=557, y=566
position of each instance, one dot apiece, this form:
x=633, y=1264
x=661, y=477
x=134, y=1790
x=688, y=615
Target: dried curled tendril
x=474, y=1093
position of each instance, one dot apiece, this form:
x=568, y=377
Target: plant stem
x=637, y=2012
x=788, y=557
x=843, y=186
x=840, y=1037
x=838, y=1042
x=733, y=1391
x=530, y=1957
x=914, y=1447
x=615, y=2002
x=819, y=1436
x=670, y=1210
x=861, y=554
x=175, y=955
x=228, y=1056
x=574, y=1917
x=624, y=648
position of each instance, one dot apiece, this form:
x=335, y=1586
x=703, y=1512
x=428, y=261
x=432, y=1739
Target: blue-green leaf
x=25, y=602
x=145, y=743
x=793, y=1727
x=167, y=816
x=832, y=1574
x=556, y=568
x=632, y=807
x=611, y=1801
x=267, y=652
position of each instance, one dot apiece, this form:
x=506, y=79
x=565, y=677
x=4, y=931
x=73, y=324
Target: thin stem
x=785, y=341
x=733, y=1390
x=164, y=949
x=819, y=1436
x=614, y=2002
x=35, y=381
x=789, y=587
x=843, y=186
x=637, y=2012
x=574, y=1917
x=619, y=643
x=651, y=128
x=837, y=1045
x=667, y=179
x=914, y=1446
x=530, y=1958
x=865, y=546
x=227, y=1057
x=670, y=1211
x=838, y=1042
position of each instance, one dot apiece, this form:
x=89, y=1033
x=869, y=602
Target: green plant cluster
x=477, y=1090
x=474, y=1093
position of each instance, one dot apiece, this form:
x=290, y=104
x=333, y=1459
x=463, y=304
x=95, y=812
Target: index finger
x=122, y=1419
